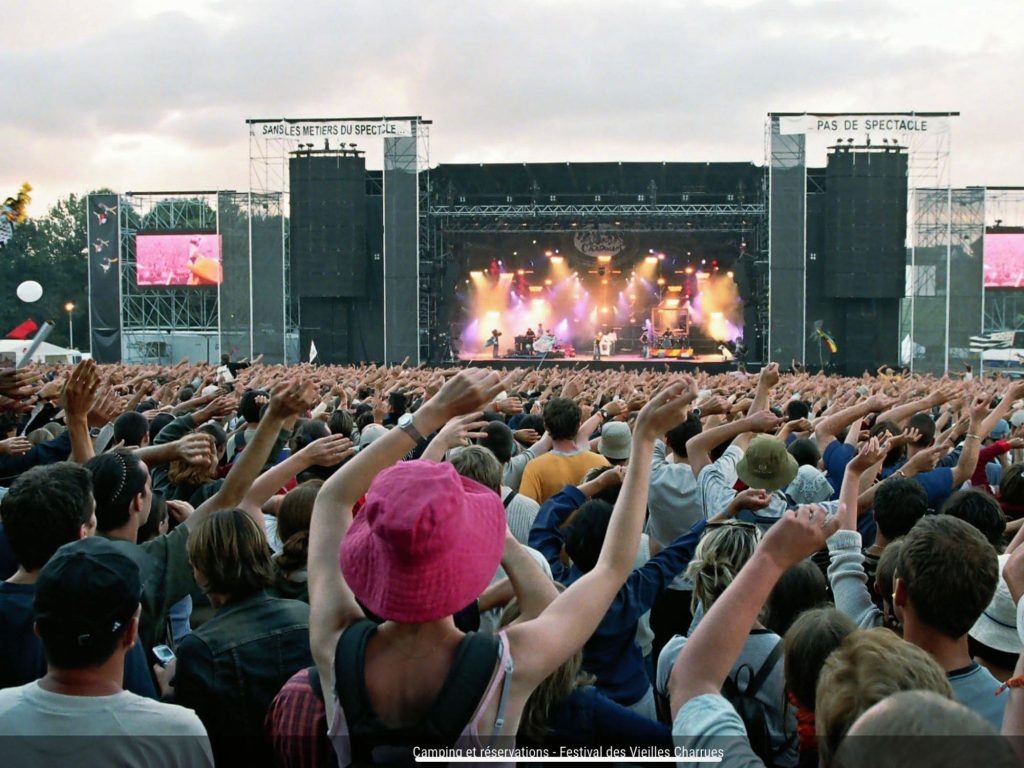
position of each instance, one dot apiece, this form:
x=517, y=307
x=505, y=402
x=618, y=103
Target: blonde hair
x=182, y=473
x=721, y=552
x=869, y=665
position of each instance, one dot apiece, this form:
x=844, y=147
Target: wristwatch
x=604, y=414
x=696, y=412
x=405, y=423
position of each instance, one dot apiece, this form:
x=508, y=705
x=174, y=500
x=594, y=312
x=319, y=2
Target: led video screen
x=1004, y=260
x=178, y=259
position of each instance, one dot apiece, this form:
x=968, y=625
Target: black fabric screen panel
x=104, y=235
x=401, y=244
x=325, y=323
x=870, y=336
x=328, y=225
x=268, y=288
x=788, y=206
x=865, y=224
x=366, y=339
x=235, y=318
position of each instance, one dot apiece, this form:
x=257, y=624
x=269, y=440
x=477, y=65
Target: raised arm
x=900, y=413
x=541, y=645
x=325, y=452
x=532, y=587
x=700, y=446
x=286, y=400
x=78, y=397
x=333, y=607
x=972, y=442
x=714, y=646
x=828, y=428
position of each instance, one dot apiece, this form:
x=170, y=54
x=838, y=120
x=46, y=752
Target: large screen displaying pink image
x=1004, y=260
x=162, y=260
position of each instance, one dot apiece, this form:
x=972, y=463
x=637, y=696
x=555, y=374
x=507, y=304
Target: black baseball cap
x=88, y=590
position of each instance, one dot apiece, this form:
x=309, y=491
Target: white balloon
x=30, y=291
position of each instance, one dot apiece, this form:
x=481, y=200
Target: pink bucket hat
x=426, y=543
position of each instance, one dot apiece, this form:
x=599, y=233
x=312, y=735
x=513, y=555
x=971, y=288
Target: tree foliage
x=52, y=250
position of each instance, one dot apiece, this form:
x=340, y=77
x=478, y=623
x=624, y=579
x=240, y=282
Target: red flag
x=24, y=331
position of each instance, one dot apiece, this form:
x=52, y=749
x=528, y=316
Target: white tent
x=15, y=349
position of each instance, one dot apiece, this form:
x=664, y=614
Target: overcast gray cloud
x=137, y=95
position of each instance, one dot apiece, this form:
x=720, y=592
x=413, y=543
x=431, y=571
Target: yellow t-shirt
x=548, y=474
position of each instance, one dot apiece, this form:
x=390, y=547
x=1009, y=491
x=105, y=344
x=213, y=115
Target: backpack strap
x=764, y=671
x=465, y=686
x=349, y=660
x=508, y=499
x=313, y=676
x=461, y=693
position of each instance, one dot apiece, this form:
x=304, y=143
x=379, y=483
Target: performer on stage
x=645, y=343
x=493, y=342
x=597, y=346
x=530, y=338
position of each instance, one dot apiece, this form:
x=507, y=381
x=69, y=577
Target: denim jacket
x=230, y=669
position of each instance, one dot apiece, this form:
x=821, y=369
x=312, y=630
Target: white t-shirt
x=161, y=734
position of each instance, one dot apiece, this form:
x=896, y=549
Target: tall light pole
x=69, y=308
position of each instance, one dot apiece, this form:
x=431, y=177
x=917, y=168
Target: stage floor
x=709, y=363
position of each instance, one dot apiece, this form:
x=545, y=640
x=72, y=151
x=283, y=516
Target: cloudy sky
x=153, y=94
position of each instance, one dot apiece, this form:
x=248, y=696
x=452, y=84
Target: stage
x=709, y=363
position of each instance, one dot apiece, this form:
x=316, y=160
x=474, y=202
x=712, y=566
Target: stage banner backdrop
x=332, y=129
x=104, y=278
x=844, y=125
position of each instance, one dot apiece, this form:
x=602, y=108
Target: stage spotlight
x=661, y=257
x=703, y=262
x=520, y=271
x=661, y=281
x=476, y=273
x=689, y=270
x=651, y=259
x=557, y=259
x=547, y=282
x=549, y=254
x=604, y=258
x=730, y=274
x=604, y=281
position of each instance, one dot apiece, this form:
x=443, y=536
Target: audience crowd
x=319, y=565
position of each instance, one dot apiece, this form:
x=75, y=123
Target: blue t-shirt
x=8, y=563
x=837, y=455
x=975, y=688
x=21, y=652
x=938, y=484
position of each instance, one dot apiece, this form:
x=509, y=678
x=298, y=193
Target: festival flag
x=24, y=331
x=829, y=341
x=312, y=350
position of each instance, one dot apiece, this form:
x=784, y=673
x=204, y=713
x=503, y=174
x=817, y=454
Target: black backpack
x=749, y=708
x=373, y=742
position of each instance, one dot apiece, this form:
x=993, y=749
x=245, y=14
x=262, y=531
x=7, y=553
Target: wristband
x=969, y=435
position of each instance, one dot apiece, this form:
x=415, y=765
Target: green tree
x=52, y=250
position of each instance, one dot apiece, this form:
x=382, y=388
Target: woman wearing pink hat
x=424, y=546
